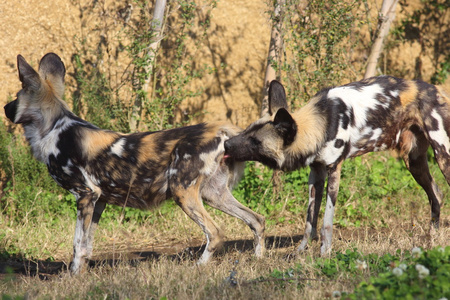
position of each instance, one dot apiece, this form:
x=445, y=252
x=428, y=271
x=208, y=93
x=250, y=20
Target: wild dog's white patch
x=172, y=171
x=46, y=146
x=66, y=168
x=91, y=182
x=210, y=158
x=439, y=135
x=79, y=250
x=206, y=254
x=359, y=100
x=310, y=160
x=397, y=136
x=117, y=147
x=376, y=133
x=330, y=152
x=394, y=93
x=163, y=188
x=193, y=182
x=187, y=156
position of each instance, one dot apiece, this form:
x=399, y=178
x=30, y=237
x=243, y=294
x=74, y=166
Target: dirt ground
x=238, y=38
x=280, y=244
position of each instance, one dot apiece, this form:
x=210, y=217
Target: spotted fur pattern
x=130, y=170
x=375, y=114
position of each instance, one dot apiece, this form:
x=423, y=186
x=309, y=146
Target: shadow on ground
x=47, y=269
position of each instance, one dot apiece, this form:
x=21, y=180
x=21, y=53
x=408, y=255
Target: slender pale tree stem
x=387, y=15
x=150, y=53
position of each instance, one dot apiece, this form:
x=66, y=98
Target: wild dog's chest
x=44, y=147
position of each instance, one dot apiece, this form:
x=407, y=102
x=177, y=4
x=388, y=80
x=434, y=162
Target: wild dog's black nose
x=10, y=110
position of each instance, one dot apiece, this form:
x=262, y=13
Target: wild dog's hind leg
x=334, y=177
x=85, y=211
x=443, y=160
x=189, y=200
x=316, y=185
x=217, y=194
x=441, y=150
x=417, y=164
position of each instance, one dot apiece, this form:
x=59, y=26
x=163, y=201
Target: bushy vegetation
x=418, y=275
x=317, y=51
x=414, y=274
x=169, y=75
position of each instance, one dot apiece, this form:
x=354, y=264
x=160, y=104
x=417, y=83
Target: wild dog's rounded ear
x=51, y=64
x=27, y=75
x=277, y=97
x=52, y=69
x=285, y=125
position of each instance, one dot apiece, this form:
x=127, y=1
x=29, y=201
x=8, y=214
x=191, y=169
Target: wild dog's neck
x=43, y=133
x=311, y=134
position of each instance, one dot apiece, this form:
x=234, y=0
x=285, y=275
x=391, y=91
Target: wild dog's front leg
x=316, y=184
x=98, y=210
x=334, y=176
x=82, y=242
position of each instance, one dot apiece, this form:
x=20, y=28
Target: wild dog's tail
x=436, y=119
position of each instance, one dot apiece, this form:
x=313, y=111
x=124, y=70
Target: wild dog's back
x=372, y=115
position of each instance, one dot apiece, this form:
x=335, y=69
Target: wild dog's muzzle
x=229, y=148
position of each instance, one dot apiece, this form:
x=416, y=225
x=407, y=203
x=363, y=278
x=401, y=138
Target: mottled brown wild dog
x=135, y=170
x=375, y=114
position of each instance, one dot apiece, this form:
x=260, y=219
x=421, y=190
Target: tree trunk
x=142, y=87
x=275, y=46
x=387, y=15
x=276, y=42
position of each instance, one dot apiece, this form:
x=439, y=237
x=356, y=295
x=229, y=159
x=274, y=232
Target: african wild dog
x=375, y=114
x=135, y=170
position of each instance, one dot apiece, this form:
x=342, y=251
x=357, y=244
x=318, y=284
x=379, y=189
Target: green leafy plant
x=256, y=190
x=95, y=94
x=420, y=275
x=353, y=262
x=171, y=80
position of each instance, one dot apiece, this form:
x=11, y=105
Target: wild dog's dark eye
x=255, y=141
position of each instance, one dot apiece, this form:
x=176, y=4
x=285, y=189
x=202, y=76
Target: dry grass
x=157, y=260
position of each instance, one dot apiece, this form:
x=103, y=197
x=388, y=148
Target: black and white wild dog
x=376, y=114
x=135, y=170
